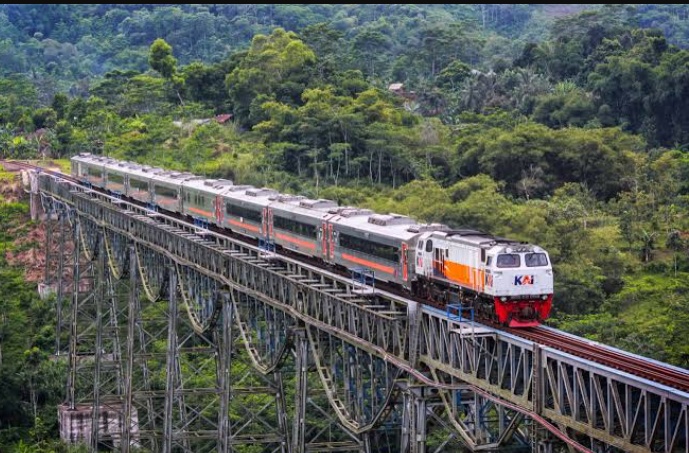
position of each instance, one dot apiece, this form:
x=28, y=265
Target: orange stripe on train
x=367, y=263
x=462, y=275
x=253, y=228
x=200, y=211
x=293, y=240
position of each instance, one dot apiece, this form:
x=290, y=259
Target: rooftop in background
x=222, y=118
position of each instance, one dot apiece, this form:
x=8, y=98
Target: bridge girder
x=386, y=367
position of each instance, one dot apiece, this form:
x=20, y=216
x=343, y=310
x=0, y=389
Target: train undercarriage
x=512, y=311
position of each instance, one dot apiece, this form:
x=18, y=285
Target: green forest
x=561, y=125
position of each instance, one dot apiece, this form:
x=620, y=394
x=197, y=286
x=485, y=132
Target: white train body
x=508, y=281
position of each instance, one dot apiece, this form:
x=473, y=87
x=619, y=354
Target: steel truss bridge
x=178, y=339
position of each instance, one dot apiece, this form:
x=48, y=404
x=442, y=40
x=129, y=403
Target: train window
x=429, y=246
x=95, y=172
x=419, y=246
x=386, y=252
x=164, y=191
x=302, y=229
x=239, y=211
x=138, y=184
x=535, y=259
x=508, y=260
x=114, y=178
x=489, y=261
x=483, y=255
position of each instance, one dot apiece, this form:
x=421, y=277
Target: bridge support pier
x=414, y=421
x=127, y=432
x=172, y=379
x=96, y=386
x=301, y=348
x=224, y=342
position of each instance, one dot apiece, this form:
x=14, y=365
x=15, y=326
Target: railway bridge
x=180, y=339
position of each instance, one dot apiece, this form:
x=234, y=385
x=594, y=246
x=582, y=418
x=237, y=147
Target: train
x=497, y=279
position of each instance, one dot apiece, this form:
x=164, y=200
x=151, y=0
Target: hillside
x=558, y=125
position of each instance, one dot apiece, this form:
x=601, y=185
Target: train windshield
x=535, y=259
x=508, y=260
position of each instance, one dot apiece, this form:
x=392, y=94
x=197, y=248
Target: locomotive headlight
x=503, y=298
x=544, y=297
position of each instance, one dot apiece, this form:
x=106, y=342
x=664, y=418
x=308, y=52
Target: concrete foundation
x=75, y=424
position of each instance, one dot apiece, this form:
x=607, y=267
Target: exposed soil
x=11, y=191
x=32, y=255
x=28, y=251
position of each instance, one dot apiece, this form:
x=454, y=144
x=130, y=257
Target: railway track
x=639, y=366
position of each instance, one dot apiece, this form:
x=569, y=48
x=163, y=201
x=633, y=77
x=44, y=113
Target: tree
x=668, y=101
x=59, y=105
x=276, y=67
x=571, y=107
x=370, y=45
x=439, y=46
x=625, y=85
x=160, y=58
x=453, y=74
x=206, y=84
x=328, y=45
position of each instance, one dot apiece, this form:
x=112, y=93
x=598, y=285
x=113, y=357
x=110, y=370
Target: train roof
x=486, y=240
x=173, y=177
x=140, y=171
x=88, y=158
x=391, y=226
x=119, y=165
x=516, y=247
x=144, y=172
x=259, y=196
x=317, y=209
x=211, y=186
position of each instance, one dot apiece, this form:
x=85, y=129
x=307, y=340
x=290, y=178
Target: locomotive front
x=520, y=280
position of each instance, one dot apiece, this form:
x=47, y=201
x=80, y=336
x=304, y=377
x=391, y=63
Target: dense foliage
x=548, y=123
x=33, y=385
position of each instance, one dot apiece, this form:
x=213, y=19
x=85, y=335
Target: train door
x=217, y=204
x=473, y=269
x=439, y=261
x=264, y=223
x=323, y=233
x=405, y=262
x=328, y=238
x=331, y=236
x=269, y=232
x=424, y=256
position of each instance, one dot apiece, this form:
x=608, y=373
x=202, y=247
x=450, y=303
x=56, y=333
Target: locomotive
x=503, y=280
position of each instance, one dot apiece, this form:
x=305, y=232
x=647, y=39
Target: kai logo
x=521, y=280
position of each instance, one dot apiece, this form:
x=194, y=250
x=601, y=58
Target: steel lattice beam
x=489, y=388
